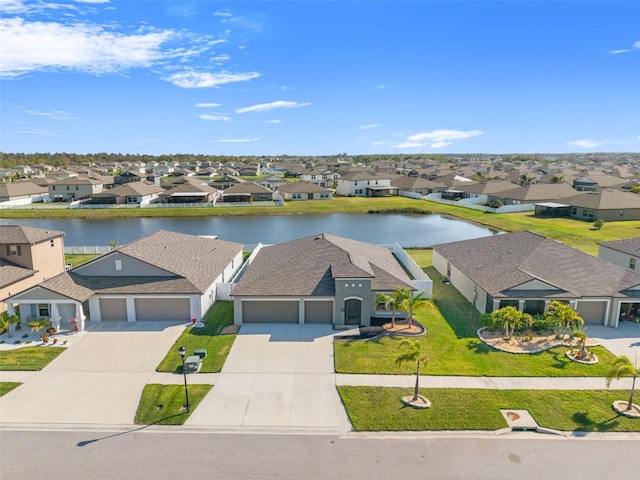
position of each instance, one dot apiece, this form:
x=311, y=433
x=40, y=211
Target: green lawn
x=455, y=349
x=208, y=338
x=78, y=259
x=422, y=256
x=380, y=409
x=6, y=387
x=28, y=358
x=163, y=404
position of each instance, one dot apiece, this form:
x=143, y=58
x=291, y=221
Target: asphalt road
x=165, y=454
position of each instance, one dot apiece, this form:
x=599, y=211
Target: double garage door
x=151, y=309
x=286, y=312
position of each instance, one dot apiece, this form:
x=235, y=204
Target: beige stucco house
x=28, y=255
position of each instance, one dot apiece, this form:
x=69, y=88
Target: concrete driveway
x=624, y=340
x=99, y=379
x=276, y=376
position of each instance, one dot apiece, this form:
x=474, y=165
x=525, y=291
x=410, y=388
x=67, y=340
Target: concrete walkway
x=624, y=340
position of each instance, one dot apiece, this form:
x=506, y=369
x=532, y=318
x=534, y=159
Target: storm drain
x=522, y=421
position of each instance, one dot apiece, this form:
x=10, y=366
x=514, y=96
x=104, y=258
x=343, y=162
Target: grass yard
x=28, y=358
x=163, y=404
x=380, y=409
x=6, y=387
x=422, y=256
x=208, y=338
x=455, y=349
x=78, y=259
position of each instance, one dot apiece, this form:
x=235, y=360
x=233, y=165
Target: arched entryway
x=353, y=311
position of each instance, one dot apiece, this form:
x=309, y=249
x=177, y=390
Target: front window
x=43, y=309
x=632, y=263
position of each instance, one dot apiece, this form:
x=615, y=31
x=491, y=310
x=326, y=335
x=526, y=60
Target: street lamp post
x=182, y=351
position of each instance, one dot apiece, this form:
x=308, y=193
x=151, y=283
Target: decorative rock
x=589, y=361
x=620, y=406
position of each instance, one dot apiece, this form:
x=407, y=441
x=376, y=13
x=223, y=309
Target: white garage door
x=162, y=309
x=113, y=309
x=270, y=312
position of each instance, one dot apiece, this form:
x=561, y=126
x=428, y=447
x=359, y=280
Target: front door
x=352, y=311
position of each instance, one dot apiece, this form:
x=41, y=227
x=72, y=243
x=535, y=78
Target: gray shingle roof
x=18, y=234
x=198, y=259
x=603, y=200
x=11, y=273
x=501, y=262
x=629, y=246
x=310, y=265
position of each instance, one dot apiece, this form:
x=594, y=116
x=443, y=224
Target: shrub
x=598, y=224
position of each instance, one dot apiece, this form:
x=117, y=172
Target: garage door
x=592, y=313
x=113, y=309
x=318, y=312
x=269, y=312
x=162, y=309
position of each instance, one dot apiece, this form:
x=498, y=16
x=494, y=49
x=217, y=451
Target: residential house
x=28, y=255
x=226, y=181
x=247, y=192
x=318, y=279
x=74, y=188
x=365, y=184
x=272, y=182
x=625, y=253
x=320, y=176
x=132, y=193
x=189, y=192
x=165, y=276
x=534, y=193
x=23, y=192
x=418, y=185
x=608, y=205
x=527, y=271
x=304, y=191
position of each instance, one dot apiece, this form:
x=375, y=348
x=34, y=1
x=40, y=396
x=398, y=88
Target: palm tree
x=582, y=342
x=410, y=303
x=623, y=367
x=565, y=316
x=38, y=325
x=508, y=318
x=390, y=301
x=8, y=322
x=415, y=354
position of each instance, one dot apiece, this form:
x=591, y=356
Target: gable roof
x=310, y=266
x=131, y=189
x=11, y=273
x=302, y=187
x=630, y=246
x=501, y=262
x=246, y=188
x=14, y=234
x=603, y=200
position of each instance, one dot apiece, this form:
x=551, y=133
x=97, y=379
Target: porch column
x=546, y=305
x=10, y=309
x=496, y=305
x=521, y=305
x=80, y=318
x=131, y=309
x=55, y=317
x=301, y=311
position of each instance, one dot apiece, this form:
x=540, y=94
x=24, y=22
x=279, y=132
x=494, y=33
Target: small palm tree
x=622, y=366
x=564, y=316
x=38, y=325
x=410, y=303
x=414, y=354
x=582, y=342
x=508, y=318
x=390, y=301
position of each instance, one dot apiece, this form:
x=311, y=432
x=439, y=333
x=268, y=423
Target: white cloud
x=220, y=58
x=91, y=1
x=587, y=143
x=217, y=117
x=618, y=52
x=265, y=107
x=274, y=122
x=379, y=143
x=38, y=132
x=369, y=126
x=53, y=115
x=208, y=79
x=237, y=140
x=436, y=138
x=381, y=87
x=207, y=105
x=223, y=13
x=29, y=46
x=636, y=44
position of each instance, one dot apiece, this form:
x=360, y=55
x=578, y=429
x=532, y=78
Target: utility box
x=202, y=353
x=192, y=363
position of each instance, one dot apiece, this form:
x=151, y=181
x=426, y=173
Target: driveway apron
x=276, y=376
x=99, y=379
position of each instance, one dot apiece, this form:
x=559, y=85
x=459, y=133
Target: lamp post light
x=182, y=351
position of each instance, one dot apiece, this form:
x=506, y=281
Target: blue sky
x=319, y=77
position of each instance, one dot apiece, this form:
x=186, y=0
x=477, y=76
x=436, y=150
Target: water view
x=407, y=230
